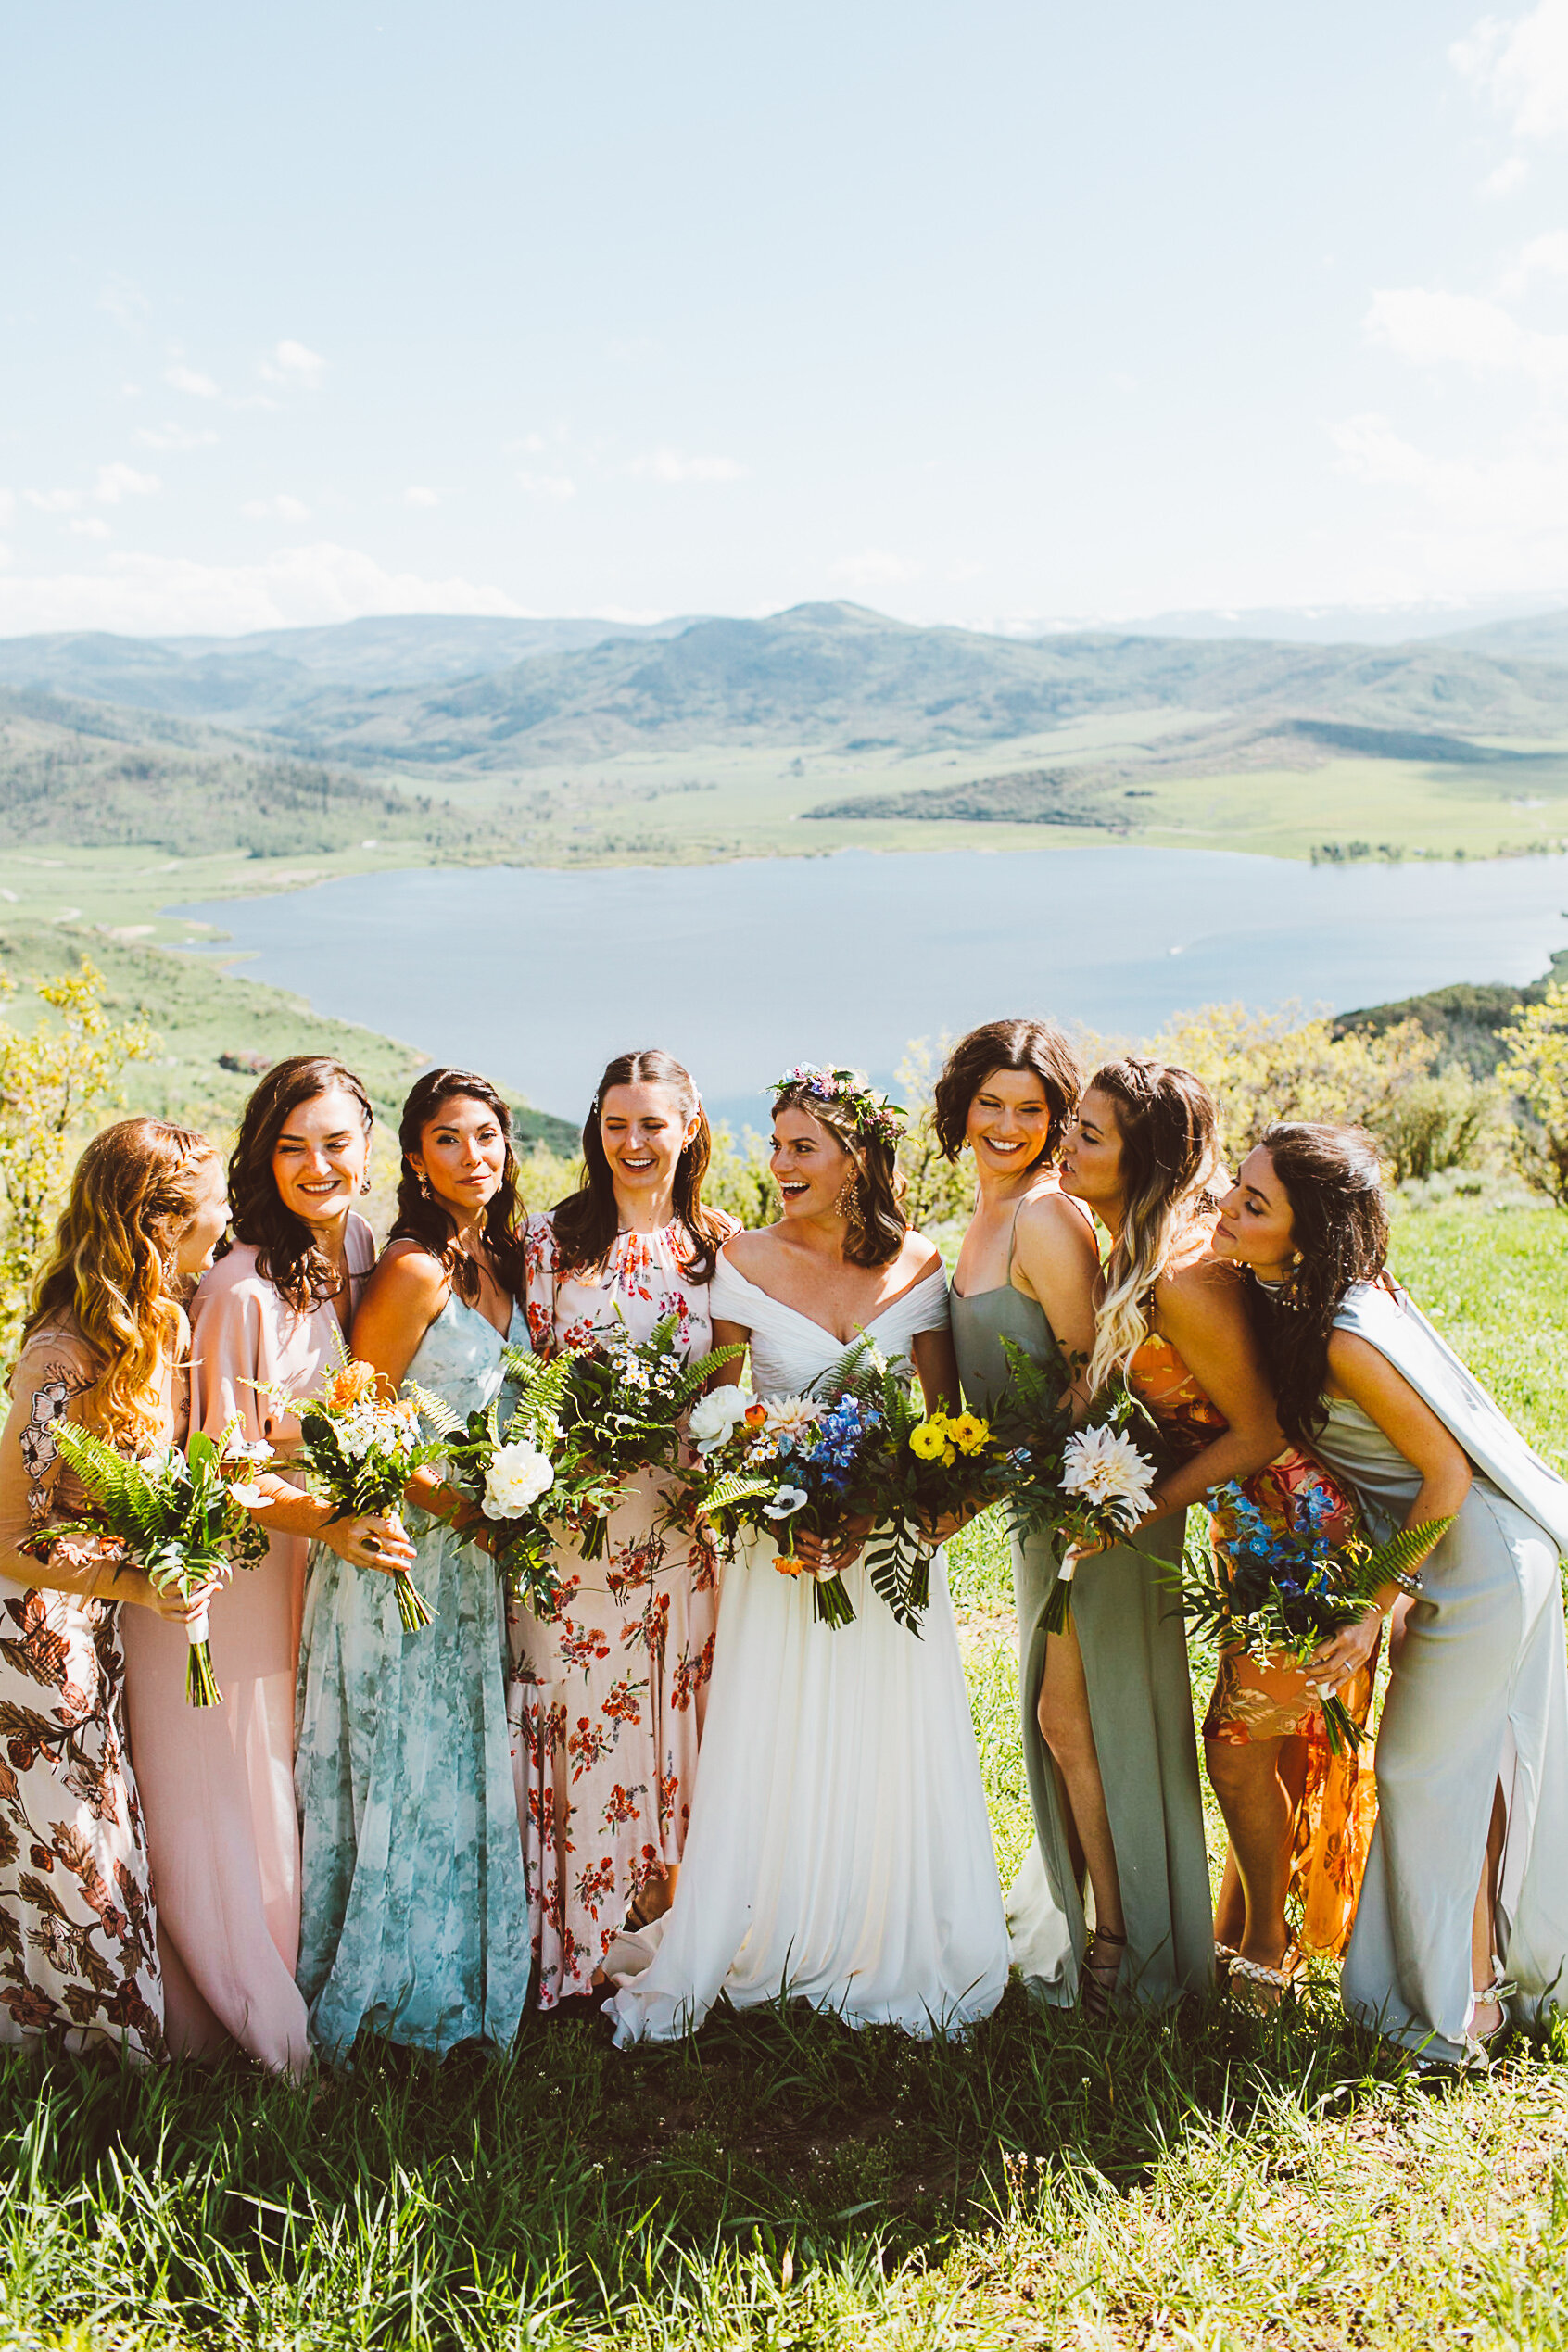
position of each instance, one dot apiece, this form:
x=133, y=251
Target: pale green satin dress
x=1134, y=1647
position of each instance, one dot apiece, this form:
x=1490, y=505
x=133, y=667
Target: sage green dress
x=1134, y=1647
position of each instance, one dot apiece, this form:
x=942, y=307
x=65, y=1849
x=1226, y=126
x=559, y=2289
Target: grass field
x=1221, y=2182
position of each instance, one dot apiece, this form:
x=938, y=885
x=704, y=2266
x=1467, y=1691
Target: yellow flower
x=969, y=1432
x=929, y=1438
x=949, y=1456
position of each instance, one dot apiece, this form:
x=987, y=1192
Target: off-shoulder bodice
x=789, y=1351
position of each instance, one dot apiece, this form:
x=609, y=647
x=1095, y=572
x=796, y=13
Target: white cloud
x=1473, y=526
x=174, y=436
x=294, y=363
x=1508, y=176
x=547, y=485
x=55, y=501
x=294, y=587
x=669, y=465
x=8, y=505
x=874, y=568
x=1543, y=256
x=280, y=505
x=1523, y=64
x=1429, y=328
x=89, y=527
x=417, y=495
x=190, y=380
x=120, y=481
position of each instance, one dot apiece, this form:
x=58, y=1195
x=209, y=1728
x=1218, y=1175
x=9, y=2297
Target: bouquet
x=1088, y=1486
x=183, y=1515
x=1291, y=1589
x=779, y=1463
x=359, y=1449
x=917, y=1469
x=622, y=1402
x=523, y=1476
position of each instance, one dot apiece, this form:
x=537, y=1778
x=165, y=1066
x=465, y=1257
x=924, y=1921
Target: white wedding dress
x=838, y=1850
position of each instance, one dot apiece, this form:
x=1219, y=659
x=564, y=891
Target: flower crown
x=876, y=1120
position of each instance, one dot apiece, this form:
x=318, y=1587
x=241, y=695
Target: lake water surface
x=539, y=977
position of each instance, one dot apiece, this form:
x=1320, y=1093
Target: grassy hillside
x=1223, y=2180
x=215, y=1031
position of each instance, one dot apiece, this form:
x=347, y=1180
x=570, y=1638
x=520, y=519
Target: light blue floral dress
x=415, y=1913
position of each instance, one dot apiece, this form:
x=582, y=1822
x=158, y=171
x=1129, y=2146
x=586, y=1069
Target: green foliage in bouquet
x=523, y=1476
x=1286, y=1590
x=178, y=1512
x=622, y=1402
x=359, y=1450
x=1084, y=1487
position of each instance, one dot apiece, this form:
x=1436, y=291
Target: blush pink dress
x=216, y=1783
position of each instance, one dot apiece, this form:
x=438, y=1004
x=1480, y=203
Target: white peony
x=715, y=1414
x=1105, y=1468
x=517, y=1476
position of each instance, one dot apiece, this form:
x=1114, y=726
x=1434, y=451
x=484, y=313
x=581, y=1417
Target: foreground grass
x=1224, y=2181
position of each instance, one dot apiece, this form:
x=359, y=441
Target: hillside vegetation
x=561, y=741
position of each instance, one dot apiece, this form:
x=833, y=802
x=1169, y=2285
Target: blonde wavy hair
x=1170, y=1132
x=134, y=1191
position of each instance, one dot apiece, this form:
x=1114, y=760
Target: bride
x=838, y=1850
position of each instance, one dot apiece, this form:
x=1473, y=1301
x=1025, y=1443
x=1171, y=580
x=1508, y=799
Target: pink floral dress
x=608, y=1695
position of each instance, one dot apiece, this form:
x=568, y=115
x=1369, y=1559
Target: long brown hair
x=1333, y=1179
x=288, y=1254
x=1037, y=1046
x=874, y=1213
x=587, y=1220
x=422, y=1217
x=1169, y=1131
x=134, y=1194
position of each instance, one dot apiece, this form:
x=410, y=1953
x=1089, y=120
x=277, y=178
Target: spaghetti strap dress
x=839, y=1850
x=1134, y=1650
x=415, y=1914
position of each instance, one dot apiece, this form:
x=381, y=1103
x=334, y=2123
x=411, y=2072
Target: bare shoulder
x=407, y=1276
x=1051, y=1225
x=750, y=1251
x=1198, y=1288
x=917, y=1258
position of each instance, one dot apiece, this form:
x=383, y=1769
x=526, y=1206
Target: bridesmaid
x=104, y=1346
x=218, y=1783
x=608, y=1696
x=415, y=1917
x=1463, y=1920
x=1108, y=1711
x=1173, y=1320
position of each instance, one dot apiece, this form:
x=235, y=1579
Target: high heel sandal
x=1097, y=1986
x=1478, y=2046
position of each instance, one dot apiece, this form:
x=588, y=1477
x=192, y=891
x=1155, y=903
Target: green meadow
x=1220, y=2180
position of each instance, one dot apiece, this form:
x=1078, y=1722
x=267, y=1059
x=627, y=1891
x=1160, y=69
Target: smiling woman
x=609, y=1692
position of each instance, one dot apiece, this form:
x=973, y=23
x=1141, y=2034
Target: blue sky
x=971, y=310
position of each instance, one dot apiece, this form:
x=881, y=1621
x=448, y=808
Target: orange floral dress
x=609, y=1694
x=1266, y=1697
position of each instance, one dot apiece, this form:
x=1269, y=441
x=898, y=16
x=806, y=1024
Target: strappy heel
x=1097, y=1986
x=1478, y=2046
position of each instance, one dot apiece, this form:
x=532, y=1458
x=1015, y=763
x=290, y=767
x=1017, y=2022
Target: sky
x=998, y=311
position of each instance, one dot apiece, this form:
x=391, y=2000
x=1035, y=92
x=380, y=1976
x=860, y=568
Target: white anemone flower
x=785, y=1502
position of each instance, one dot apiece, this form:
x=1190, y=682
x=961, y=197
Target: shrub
x=1535, y=1067
x=57, y=1077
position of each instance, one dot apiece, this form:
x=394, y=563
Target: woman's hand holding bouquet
x=182, y=1516
x=359, y=1449
x=1089, y=1488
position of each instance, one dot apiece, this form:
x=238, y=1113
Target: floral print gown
x=608, y=1695
x=1265, y=1697
x=78, y=1939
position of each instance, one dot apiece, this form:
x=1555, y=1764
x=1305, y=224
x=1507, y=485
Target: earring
x=168, y=1268
x=423, y=1185
x=847, y=1206
x=365, y=1182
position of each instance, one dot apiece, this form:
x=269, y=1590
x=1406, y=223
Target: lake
x=539, y=977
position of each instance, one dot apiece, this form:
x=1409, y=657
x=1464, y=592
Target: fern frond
x=731, y=1489
x=1396, y=1561
x=435, y=1410
x=121, y=1488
